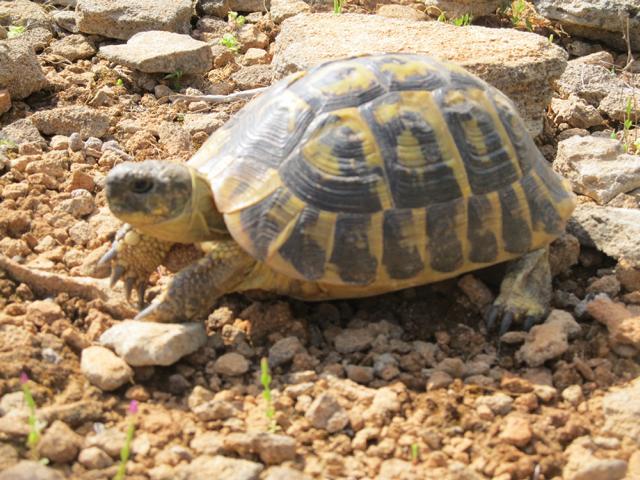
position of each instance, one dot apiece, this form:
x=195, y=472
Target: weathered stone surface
x=401, y=11
x=124, y=18
x=623, y=325
x=583, y=464
x=220, y=8
x=549, y=340
x=253, y=76
x=104, y=369
x=59, y=443
x=37, y=22
x=326, y=413
x=20, y=71
x=283, y=9
x=614, y=105
x=588, y=78
x=231, y=364
x=457, y=8
x=575, y=112
x=86, y=121
x=522, y=65
x=598, y=20
x=220, y=468
x=29, y=470
x=614, y=231
x=73, y=47
x=597, y=167
x=621, y=410
x=161, y=52
x=147, y=343
x=21, y=132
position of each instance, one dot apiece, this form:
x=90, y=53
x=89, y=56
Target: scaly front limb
x=525, y=292
x=133, y=257
x=194, y=290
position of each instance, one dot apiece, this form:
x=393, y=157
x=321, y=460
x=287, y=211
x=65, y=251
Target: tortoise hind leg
x=193, y=291
x=525, y=293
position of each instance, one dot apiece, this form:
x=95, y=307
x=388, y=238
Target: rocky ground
x=408, y=385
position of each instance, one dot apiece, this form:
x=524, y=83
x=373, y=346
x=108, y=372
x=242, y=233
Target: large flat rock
x=124, y=18
x=520, y=64
x=161, y=52
x=599, y=20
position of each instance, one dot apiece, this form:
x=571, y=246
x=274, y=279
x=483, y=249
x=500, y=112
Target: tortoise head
x=166, y=200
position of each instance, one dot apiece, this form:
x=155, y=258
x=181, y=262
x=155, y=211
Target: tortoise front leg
x=194, y=290
x=525, y=293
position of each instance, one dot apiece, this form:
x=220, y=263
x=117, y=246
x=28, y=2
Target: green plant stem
x=125, y=452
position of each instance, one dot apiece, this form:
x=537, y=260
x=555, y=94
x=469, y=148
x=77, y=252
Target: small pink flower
x=133, y=407
x=24, y=378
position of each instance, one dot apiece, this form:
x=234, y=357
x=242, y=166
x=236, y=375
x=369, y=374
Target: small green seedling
x=415, y=453
x=7, y=143
x=175, y=77
x=627, y=124
x=230, y=41
x=337, y=6
x=517, y=9
x=125, y=451
x=463, y=21
x=15, y=31
x=34, y=426
x=550, y=39
x=265, y=379
x=613, y=136
x=442, y=17
x=120, y=82
x=239, y=20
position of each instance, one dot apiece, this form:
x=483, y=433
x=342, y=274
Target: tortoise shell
x=383, y=171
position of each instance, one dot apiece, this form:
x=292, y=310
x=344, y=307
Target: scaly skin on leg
x=525, y=292
x=133, y=257
x=193, y=290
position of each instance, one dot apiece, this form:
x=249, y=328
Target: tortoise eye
x=142, y=185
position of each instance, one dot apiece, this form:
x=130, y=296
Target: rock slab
x=145, y=343
x=614, y=231
x=549, y=340
x=597, y=167
x=521, y=65
x=622, y=411
x=124, y=18
x=161, y=52
x=20, y=71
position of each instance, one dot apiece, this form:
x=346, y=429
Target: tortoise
x=358, y=177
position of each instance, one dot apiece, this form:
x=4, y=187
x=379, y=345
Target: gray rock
x=202, y=122
x=231, y=364
x=575, y=112
x=457, y=8
x=589, y=81
x=59, y=443
x=221, y=8
x=215, y=410
x=510, y=60
x=498, y=403
x=94, y=459
x=22, y=131
x=614, y=231
x=359, y=373
x=401, y=11
x=124, y=18
x=207, y=467
x=621, y=410
x=210, y=443
x=66, y=20
x=284, y=473
x=37, y=22
x=20, y=71
x=104, y=369
x=353, y=340
x=29, y=470
x=73, y=47
x=283, y=9
x=583, y=464
x=274, y=449
x=145, y=343
x=161, y=52
x=597, y=167
x=598, y=20
x=327, y=414
x=614, y=105
x=549, y=340
x=253, y=76
x=284, y=350
x=79, y=205
x=385, y=366
x=86, y=121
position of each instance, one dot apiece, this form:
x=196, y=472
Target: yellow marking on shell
x=405, y=69
x=285, y=216
x=233, y=194
x=320, y=155
x=472, y=132
x=496, y=227
x=358, y=79
x=423, y=104
x=524, y=204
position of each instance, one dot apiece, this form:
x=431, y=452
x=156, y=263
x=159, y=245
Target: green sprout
x=119, y=82
x=415, y=453
x=15, y=31
x=7, y=143
x=550, y=39
x=337, y=6
x=613, y=135
x=627, y=124
x=517, y=9
x=34, y=426
x=239, y=20
x=463, y=21
x=265, y=380
x=125, y=451
x=442, y=17
x=175, y=77
x=230, y=41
